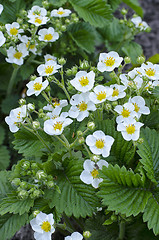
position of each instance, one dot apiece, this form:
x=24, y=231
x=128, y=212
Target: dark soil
x=150, y=44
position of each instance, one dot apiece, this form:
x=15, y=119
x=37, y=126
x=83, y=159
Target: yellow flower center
x=48, y=37
x=37, y=86
x=150, y=72
x=125, y=113
x=57, y=126
x=100, y=143
x=49, y=69
x=115, y=92
x=84, y=81
x=13, y=31
x=82, y=106
x=56, y=103
x=130, y=129
x=101, y=95
x=138, y=72
x=18, y=115
x=109, y=62
x=49, y=59
x=38, y=20
x=60, y=12
x=136, y=107
x=18, y=55
x=30, y=46
x=46, y=226
x=95, y=173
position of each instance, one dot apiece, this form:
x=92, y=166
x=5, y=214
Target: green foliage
x=96, y=12
x=134, y=4
x=10, y=224
x=132, y=50
x=82, y=34
x=4, y=157
x=76, y=198
x=9, y=103
x=57, y=3
x=154, y=59
x=149, y=153
x=114, y=4
x=151, y=120
x=123, y=151
x=123, y=191
x=2, y=135
x=11, y=204
x=156, y=92
x=151, y=215
x=26, y=70
x=5, y=186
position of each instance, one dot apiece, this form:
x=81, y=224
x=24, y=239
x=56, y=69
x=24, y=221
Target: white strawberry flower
x=43, y=225
x=81, y=105
x=74, y=236
x=125, y=112
x=60, y=12
x=90, y=174
x=16, y=55
x=36, y=86
x=150, y=70
x=135, y=72
x=139, y=23
x=138, y=82
x=155, y=83
x=57, y=125
x=99, y=143
x=38, y=20
x=30, y=47
x=83, y=81
x=130, y=129
x=56, y=103
x=148, y=86
x=16, y=115
x=48, y=35
x=2, y=39
x=109, y=61
x=37, y=11
x=49, y=57
x=49, y=68
x=100, y=94
x=56, y=113
x=139, y=106
x=117, y=92
x=1, y=8
x=13, y=29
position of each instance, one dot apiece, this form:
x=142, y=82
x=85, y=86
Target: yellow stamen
x=38, y=20
x=56, y=104
x=100, y=143
x=46, y=226
x=13, y=31
x=95, y=173
x=109, y=62
x=82, y=106
x=130, y=129
x=115, y=92
x=48, y=37
x=136, y=107
x=150, y=72
x=101, y=95
x=60, y=12
x=30, y=46
x=125, y=113
x=37, y=86
x=58, y=126
x=49, y=69
x=84, y=81
x=18, y=55
x=18, y=115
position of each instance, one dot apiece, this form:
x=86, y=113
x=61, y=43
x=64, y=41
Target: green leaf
x=149, y=153
x=122, y=150
x=5, y=186
x=96, y=12
x=28, y=144
x=151, y=215
x=9, y=103
x=114, y=4
x=4, y=157
x=2, y=135
x=82, y=34
x=10, y=224
x=58, y=3
x=134, y=4
x=156, y=92
x=154, y=59
x=76, y=198
x=132, y=50
x=11, y=204
x=123, y=191
x=26, y=70
x=150, y=120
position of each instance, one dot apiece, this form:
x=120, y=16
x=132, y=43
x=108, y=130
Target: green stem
x=89, y=153
x=65, y=91
x=121, y=231
x=60, y=140
x=12, y=80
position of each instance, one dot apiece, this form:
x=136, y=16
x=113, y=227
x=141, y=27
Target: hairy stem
x=12, y=80
x=121, y=231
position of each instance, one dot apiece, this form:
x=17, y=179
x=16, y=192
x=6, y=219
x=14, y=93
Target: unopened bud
x=47, y=89
x=36, y=193
x=35, y=213
x=108, y=106
x=36, y=124
x=124, y=11
x=25, y=165
x=61, y=61
x=87, y=234
x=127, y=60
x=31, y=107
x=63, y=29
x=23, y=194
x=16, y=182
x=69, y=72
x=114, y=218
x=40, y=175
x=141, y=59
x=23, y=185
x=114, y=103
x=91, y=125
x=84, y=65
x=79, y=133
x=45, y=4
x=95, y=158
x=22, y=101
x=140, y=140
x=74, y=70
x=81, y=140
x=148, y=29
x=50, y=184
x=33, y=77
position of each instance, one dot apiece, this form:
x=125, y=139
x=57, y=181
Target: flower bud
x=35, y=213
x=33, y=77
x=45, y=4
x=124, y=11
x=84, y=65
x=127, y=60
x=69, y=72
x=67, y=21
x=23, y=194
x=41, y=115
x=41, y=175
x=87, y=234
x=34, y=166
x=108, y=106
x=24, y=185
x=22, y=101
x=95, y=158
x=19, y=20
x=50, y=184
x=148, y=29
x=36, y=193
x=74, y=70
x=46, y=118
x=91, y=125
x=36, y=124
x=141, y=59
x=31, y=107
x=47, y=89
x=63, y=28
x=114, y=103
x=61, y=61
x=81, y=140
x=25, y=165
x=114, y=218
x=140, y=140
x=16, y=182
x=79, y=133
x=75, y=20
